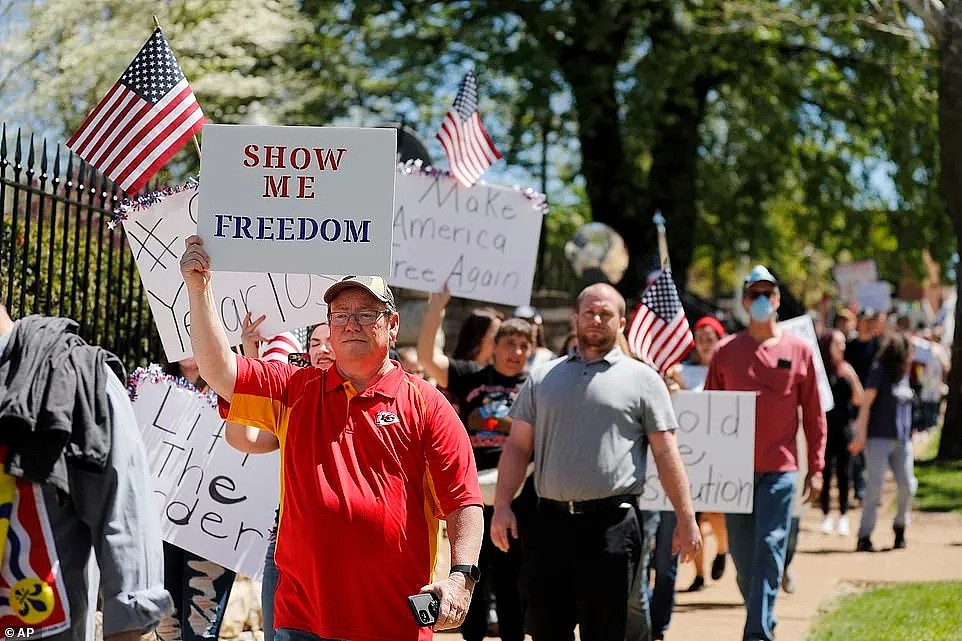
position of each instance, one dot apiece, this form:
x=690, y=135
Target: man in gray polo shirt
x=588, y=418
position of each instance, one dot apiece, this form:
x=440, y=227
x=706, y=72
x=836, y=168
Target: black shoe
x=788, y=582
x=864, y=545
x=899, y=538
x=697, y=585
x=718, y=567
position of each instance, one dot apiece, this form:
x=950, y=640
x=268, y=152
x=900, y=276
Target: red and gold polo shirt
x=364, y=477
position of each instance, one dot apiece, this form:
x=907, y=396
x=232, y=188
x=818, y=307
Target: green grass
x=908, y=612
x=940, y=482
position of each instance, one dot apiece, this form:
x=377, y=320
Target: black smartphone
x=424, y=607
x=300, y=359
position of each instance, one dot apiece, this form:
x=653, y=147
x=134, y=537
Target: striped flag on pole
x=467, y=145
x=145, y=118
x=659, y=332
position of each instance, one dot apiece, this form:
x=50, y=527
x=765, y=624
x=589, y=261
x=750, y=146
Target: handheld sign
x=156, y=236
x=804, y=328
x=482, y=241
x=213, y=500
x=716, y=439
x=300, y=200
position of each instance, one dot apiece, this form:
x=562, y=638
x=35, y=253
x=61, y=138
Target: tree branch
x=932, y=14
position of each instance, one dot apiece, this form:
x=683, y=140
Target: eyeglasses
x=364, y=317
x=754, y=295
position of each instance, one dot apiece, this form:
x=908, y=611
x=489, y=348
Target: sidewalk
x=824, y=566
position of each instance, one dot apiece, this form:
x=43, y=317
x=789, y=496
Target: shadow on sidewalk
x=707, y=605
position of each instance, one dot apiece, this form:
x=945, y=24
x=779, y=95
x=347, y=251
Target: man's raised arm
x=212, y=351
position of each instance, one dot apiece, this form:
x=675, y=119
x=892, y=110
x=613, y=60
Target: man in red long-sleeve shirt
x=779, y=368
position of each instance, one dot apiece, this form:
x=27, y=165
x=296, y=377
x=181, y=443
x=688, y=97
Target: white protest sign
x=482, y=241
x=300, y=200
x=804, y=328
x=156, y=236
x=716, y=438
x=213, y=500
x=849, y=275
x=877, y=295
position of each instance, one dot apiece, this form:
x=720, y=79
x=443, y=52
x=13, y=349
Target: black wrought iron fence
x=58, y=254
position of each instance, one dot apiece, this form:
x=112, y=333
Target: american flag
x=659, y=333
x=467, y=145
x=279, y=347
x=145, y=118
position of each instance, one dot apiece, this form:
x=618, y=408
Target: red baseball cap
x=713, y=323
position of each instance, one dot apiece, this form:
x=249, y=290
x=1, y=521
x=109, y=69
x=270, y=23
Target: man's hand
x=454, y=592
x=195, y=265
x=857, y=444
x=813, y=487
x=502, y=522
x=251, y=335
x=686, y=541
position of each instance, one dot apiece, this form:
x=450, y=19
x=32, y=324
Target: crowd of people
x=534, y=461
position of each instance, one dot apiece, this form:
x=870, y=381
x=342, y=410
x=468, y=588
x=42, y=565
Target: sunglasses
x=755, y=295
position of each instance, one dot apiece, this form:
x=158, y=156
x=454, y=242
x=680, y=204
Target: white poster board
x=156, y=237
x=804, y=327
x=213, y=500
x=849, y=275
x=877, y=295
x=482, y=241
x=716, y=438
x=300, y=200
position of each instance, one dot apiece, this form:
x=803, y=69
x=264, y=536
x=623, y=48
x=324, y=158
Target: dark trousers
x=665, y=565
x=500, y=574
x=579, y=569
x=837, y=460
x=199, y=589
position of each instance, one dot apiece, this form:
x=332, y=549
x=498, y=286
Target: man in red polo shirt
x=779, y=368
x=371, y=456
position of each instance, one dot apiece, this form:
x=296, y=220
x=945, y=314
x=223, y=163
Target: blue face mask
x=761, y=309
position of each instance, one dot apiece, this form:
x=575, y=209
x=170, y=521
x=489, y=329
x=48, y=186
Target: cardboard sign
x=716, y=438
x=482, y=241
x=849, y=275
x=156, y=238
x=877, y=295
x=804, y=327
x=300, y=200
x=213, y=500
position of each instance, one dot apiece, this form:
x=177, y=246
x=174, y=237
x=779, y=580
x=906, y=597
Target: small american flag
x=659, y=333
x=467, y=145
x=279, y=347
x=145, y=118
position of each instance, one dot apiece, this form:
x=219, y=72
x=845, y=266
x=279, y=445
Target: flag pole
x=194, y=137
x=659, y=221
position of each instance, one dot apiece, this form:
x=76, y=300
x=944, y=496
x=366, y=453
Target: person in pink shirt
x=779, y=368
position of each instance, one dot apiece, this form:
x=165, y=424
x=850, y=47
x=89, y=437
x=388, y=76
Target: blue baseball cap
x=759, y=274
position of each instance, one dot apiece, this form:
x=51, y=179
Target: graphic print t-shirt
x=484, y=398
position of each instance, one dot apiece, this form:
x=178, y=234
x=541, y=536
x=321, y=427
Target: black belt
x=589, y=507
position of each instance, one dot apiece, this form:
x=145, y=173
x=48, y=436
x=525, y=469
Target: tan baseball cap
x=376, y=285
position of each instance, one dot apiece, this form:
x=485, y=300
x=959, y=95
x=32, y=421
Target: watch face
x=471, y=570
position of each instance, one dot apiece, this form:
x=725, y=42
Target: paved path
x=825, y=566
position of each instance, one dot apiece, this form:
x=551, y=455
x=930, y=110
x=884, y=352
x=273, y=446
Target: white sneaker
x=828, y=525
x=843, y=529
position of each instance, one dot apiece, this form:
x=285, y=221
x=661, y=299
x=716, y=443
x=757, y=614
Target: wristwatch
x=473, y=572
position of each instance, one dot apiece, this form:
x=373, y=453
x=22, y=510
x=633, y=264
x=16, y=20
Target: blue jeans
x=287, y=634
x=638, y=627
x=661, y=596
x=758, y=542
x=200, y=590
x=268, y=587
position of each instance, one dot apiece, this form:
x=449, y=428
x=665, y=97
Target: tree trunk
x=950, y=181
x=674, y=172
x=610, y=180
